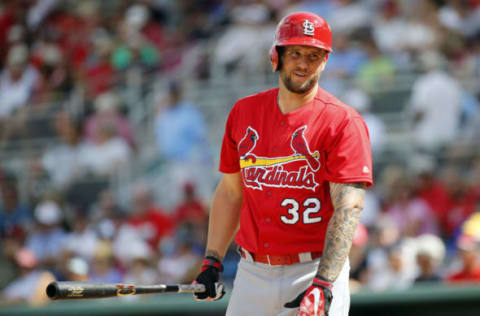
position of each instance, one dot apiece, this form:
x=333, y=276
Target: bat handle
x=191, y=288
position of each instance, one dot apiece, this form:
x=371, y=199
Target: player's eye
x=293, y=53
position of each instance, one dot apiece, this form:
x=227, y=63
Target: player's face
x=301, y=67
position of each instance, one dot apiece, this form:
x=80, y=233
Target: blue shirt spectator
x=180, y=130
x=13, y=214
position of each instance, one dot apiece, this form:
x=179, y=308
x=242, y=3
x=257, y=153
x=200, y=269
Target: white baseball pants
x=262, y=290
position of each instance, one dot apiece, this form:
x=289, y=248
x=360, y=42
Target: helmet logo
x=308, y=28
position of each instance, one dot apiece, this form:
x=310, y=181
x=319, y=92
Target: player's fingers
x=220, y=290
x=295, y=302
x=199, y=296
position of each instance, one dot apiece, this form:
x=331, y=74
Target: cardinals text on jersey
x=268, y=171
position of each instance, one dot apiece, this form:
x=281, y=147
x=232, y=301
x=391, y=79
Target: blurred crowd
x=67, y=69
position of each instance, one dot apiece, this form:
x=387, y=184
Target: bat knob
x=52, y=290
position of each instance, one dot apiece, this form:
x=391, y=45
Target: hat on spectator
x=431, y=246
x=48, y=213
x=107, y=101
x=471, y=226
x=52, y=55
x=77, y=265
x=16, y=33
x=139, y=250
x=137, y=16
x=17, y=55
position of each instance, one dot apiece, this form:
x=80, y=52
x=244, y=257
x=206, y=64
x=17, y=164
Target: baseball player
x=295, y=163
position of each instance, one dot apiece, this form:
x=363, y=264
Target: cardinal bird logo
x=246, y=145
x=300, y=146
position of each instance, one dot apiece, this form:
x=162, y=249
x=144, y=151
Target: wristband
x=210, y=261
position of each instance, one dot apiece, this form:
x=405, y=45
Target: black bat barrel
x=78, y=290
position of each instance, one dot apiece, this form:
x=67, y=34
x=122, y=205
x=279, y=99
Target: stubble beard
x=299, y=88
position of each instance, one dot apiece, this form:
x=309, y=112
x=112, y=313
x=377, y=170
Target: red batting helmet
x=301, y=28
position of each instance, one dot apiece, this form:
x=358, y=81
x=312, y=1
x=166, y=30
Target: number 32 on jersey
x=312, y=207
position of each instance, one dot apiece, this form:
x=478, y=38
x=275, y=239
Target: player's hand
x=315, y=301
x=209, y=276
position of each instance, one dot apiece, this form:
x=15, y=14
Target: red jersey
x=286, y=162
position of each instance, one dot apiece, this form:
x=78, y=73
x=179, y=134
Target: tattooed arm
x=347, y=199
x=224, y=215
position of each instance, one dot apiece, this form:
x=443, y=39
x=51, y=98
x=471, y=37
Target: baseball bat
x=78, y=290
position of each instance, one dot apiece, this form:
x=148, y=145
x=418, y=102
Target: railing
x=430, y=300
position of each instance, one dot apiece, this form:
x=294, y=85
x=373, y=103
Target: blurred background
x=112, y=114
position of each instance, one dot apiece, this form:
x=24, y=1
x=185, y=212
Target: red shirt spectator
x=470, y=272
x=434, y=193
x=190, y=209
x=148, y=219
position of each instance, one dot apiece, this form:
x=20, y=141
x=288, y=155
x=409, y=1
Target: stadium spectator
x=178, y=262
x=147, y=218
x=398, y=272
x=469, y=271
x=63, y=160
x=411, y=215
x=361, y=102
x=47, y=240
x=99, y=75
x=428, y=186
x=18, y=81
x=13, y=213
x=82, y=240
x=430, y=255
x=457, y=206
x=358, y=259
x=435, y=104
x=141, y=40
x=190, y=210
x=350, y=16
x=461, y=17
x=107, y=154
x=107, y=112
x=103, y=267
x=252, y=31
x=344, y=65
x=388, y=28
x=180, y=128
x=76, y=269
x=29, y=287
x=140, y=269
x=378, y=72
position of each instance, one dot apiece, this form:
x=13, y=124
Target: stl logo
x=308, y=28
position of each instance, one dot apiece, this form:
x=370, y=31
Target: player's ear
x=280, y=50
x=324, y=62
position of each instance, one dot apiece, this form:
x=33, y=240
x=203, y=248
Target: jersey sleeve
x=229, y=160
x=349, y=157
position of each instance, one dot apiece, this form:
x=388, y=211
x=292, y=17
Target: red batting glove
x=315, y=301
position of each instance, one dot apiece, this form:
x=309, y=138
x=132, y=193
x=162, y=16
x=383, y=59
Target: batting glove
x=214, y=290
x=315, y=301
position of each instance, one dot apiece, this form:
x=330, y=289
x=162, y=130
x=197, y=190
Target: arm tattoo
x=213, y=253
x=347, y=199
